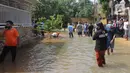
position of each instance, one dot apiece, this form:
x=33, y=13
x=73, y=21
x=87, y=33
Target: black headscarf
x=100, y=26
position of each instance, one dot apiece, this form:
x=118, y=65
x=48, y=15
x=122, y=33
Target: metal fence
x=21, y=17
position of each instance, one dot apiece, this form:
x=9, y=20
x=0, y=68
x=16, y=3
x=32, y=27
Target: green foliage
x=85, y=9
x=54, y=22
x=105, y=6
x=68, y=8
x=41, y=20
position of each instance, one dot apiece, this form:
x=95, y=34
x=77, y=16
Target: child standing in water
x=101, y=44
x=70, y=28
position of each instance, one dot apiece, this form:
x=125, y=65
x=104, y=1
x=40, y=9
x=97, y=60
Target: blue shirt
x=108, y=28
x=85, y=27
x=70, y=28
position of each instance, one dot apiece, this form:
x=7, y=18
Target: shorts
x=79, y=33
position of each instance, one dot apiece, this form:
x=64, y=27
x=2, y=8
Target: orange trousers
x=100, y=57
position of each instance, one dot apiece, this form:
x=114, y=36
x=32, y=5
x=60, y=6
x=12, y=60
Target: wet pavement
x=74, y=56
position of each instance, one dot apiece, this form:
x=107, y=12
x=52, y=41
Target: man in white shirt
x=126, y=23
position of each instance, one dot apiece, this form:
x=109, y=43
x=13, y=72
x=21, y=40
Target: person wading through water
x=11, y=41
x=79, y=29
x=91, y=30
x=101, y=44
x=70, y=28
x=110, y=37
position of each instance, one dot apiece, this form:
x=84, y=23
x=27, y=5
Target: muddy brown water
x=75, y=56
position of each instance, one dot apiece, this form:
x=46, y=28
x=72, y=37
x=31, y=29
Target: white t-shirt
x=126, y=25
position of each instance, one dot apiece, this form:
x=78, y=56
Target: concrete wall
x=21, y=19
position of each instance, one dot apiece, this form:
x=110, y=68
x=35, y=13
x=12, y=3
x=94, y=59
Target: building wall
x=20, y=4
x=19, y=12
x=16, y=10
x=21, y=17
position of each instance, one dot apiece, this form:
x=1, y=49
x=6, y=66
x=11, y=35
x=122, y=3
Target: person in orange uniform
x=11, y=36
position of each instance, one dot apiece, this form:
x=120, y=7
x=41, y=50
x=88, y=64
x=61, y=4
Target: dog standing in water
x=101, y=44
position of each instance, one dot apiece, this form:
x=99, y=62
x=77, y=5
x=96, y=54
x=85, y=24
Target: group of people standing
x=105, y=37
x=80, y=28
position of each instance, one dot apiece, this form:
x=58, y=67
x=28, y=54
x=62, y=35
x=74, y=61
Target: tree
x=68, y=8
x=52, y=23
x=45, y=8
x=105, y=6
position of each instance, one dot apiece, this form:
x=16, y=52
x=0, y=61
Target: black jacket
x=101, y=40
x=91, y=28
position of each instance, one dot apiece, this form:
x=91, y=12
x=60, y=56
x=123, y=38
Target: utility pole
x=94, y=10
x=112, y=8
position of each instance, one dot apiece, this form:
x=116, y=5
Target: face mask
x=7, y=27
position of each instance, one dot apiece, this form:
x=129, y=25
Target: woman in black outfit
x=101, y=44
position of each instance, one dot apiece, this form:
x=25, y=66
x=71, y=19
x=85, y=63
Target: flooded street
x=75, y=56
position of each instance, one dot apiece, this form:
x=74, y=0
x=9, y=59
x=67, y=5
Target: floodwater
x=75, y=56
